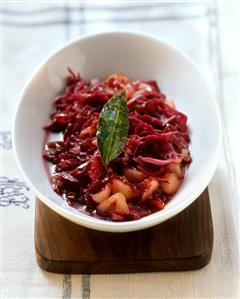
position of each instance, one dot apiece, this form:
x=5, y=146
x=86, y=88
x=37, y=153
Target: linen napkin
x=30, y=32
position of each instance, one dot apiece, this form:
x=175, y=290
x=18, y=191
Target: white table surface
x=213, y=43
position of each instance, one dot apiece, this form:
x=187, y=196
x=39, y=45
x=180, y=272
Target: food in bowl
x=123, y=148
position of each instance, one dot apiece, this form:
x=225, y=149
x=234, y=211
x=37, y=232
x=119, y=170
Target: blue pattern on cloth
x=35, y=25
x=6, y=140
x=13, y=192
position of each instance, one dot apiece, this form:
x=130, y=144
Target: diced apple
x=119, y=77
x=134, y=175
x=176, y=168
x=151, y=186
x=186, y=155
x=145, y=87
x=124, y=188
x=103, y=194
x=116, y=202
x=107, y=205
x=130, y=90
x=171, y=183
x=170, y=103
x=121, y=205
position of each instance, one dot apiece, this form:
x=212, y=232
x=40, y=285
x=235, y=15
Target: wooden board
x=181, y=243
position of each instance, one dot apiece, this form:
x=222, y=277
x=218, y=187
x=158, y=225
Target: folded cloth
x=30, y=32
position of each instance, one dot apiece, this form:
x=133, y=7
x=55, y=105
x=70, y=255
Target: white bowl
x=141, y=57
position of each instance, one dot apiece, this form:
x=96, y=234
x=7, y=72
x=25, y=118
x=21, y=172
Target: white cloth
x=30, y=32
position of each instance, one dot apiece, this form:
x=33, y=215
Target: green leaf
x=112, y=130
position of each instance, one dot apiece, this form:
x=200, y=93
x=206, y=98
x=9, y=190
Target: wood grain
x=181, y=243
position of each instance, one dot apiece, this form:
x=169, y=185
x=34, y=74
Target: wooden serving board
x=181, y=243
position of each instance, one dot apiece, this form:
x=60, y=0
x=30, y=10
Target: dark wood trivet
x=181, y=243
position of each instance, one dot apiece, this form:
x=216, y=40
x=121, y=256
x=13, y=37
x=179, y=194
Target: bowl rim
x=145, y=222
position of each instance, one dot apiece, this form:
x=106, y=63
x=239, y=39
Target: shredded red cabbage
x=150, y=169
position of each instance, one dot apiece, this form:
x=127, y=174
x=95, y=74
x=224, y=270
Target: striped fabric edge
x=67, y=282
x=67, y=286
x=97, y=21
x=97, y=8
x=86, y=287
x=67, y=13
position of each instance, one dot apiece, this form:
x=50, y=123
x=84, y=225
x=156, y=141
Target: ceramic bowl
x=140, y=57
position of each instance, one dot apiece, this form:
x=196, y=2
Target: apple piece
x=103, y=194
x=145, y=87
x=130, y=90
x=118, y=77
x=186, y=155
x=107, y=205
x=124, y=188
x=151, y=186
x=171, y=183
x=121, y=205
x=170, y=103
x=176, y=168
x=115, y=203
